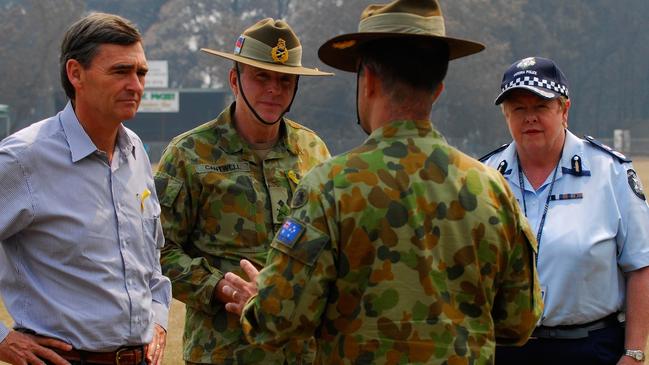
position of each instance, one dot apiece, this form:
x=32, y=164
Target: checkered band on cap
x=538, y=82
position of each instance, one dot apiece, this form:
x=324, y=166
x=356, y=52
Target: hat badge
x=279, y=52
x=527, y=62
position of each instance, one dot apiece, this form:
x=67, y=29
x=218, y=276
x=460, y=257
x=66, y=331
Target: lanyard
x=547, y=201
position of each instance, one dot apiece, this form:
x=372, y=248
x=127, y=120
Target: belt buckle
x=118, y=354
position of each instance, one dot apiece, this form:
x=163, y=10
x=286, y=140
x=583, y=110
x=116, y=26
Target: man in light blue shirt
x=79, y=218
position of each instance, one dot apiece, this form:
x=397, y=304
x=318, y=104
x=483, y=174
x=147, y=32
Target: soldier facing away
x=403, y=250
x=224, y=190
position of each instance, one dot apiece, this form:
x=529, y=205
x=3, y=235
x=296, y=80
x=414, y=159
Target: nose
x=135, y=83
x=274, y=85
x=530, y=116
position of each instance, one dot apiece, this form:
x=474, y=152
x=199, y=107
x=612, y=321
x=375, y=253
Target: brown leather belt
x=124, y=356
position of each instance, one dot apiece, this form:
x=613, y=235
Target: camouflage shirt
x=221, y=204
x=402, y=251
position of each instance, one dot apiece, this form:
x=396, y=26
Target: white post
x=4, y=113
x=618, y=139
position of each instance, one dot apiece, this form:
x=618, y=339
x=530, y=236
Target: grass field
x=173, y=352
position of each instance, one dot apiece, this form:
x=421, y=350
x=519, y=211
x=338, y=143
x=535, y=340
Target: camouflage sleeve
x=294, y=284
x=193, y=279
x=518, y=304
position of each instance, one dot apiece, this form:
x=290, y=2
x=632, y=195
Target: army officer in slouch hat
x=225, y=187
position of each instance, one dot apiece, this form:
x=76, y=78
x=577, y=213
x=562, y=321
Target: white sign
x=158, y=75
x=160, y=102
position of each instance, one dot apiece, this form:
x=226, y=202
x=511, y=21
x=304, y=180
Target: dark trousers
x=602, y=347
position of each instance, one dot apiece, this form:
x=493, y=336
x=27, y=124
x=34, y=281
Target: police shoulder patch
x=635, y=184
x=290, y=232
x=486, y=157
x=619, y=156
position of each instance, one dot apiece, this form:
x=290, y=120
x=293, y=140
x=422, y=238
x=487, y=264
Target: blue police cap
x=536, y=74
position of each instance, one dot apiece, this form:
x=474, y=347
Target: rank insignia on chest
x=290, y=232
x=576, y=167
x=502, y=167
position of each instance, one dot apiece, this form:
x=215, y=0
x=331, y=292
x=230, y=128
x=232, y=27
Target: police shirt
x=595, y=229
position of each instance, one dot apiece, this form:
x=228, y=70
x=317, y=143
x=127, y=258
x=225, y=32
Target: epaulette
x=485, y=157
x=297, y=125
x=620, y=157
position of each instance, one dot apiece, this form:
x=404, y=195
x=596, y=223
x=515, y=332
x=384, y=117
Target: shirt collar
x=124, y=141
x=231, y=142
x=400, y=128
x=81, y=146
x=573, y=146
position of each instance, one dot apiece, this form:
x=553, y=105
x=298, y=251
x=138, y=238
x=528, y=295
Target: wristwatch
x=635, y=354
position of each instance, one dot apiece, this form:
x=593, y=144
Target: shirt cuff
x=160, y=314
x=4, y=332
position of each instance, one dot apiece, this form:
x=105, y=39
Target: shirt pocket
x=153, y=240
x=231, y=214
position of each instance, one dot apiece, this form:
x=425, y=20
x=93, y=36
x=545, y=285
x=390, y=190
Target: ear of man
x=438, y=91
x=74, y=70
x=234, y=85
x=372, y=85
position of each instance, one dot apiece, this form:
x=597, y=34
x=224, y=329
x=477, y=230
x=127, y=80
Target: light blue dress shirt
x=80, y=239
x=596, y=229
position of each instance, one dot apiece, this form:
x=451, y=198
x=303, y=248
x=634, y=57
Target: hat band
x=260, y=51
x=535, y=81
x=403, y=23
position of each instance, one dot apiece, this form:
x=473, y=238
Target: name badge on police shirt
x=290, y=232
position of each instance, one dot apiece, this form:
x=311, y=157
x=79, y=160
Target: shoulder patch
x=299, y=198
x=290, y=232
x=499, y=149
x=620, y=157
x=635, y=184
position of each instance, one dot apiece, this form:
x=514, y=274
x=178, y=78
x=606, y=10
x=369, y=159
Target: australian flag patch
x=290, y=232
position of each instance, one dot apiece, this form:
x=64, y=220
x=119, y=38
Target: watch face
x=636, y=354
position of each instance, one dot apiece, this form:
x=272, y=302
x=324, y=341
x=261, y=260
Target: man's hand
x=23, y=349
x=238, y=290
x=155, y=350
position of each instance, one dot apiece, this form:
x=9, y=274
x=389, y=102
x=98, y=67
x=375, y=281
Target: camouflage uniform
x=220, y=204
x=403, y=250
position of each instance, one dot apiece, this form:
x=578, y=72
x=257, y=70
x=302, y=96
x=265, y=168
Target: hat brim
x=544, y=93
x=292, y=70
x=342, y=52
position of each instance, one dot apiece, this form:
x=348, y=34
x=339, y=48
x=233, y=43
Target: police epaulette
x=485, y=157
x=620, y=157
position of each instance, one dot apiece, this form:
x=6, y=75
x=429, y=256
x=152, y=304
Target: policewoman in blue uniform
x=590, y=215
